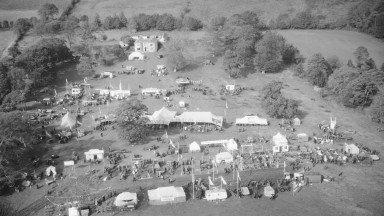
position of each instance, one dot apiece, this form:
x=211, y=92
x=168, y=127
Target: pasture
x=339, y=43
x=7, y=37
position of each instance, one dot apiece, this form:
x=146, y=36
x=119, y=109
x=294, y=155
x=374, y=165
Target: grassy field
x=7, y=37
x=339, y=43
x=360, y=192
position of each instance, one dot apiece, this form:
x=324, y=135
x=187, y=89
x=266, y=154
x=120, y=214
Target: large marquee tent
x=194, y=147
x=224, y=156
x=162, y=116
x=166, y=195
x=199, y=117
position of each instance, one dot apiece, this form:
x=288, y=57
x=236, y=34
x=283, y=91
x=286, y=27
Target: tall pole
x=178, y=151
x=193, y=182
x=213, y=178
x=237, y=183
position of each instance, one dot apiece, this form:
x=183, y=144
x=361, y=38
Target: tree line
x=365, y=16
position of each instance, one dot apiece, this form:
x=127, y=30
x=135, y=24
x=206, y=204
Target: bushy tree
x=377, y=107
x=132, y=24
x=299, y=70
x=304, y=20
x=283, y=21
x=166, y=22
x=192, y=24
x=127, y=40
x=350, y=63
x=85, y=67
x=84, y=18
x=382, y=67
x=272, y=90
x=47, y=11
x=334, y=62
x=108, y=23
x=97, y=22
x=5, y=24
x=145, y=22
x=131, y=122
x=5, y=84
x=318, y=70
x=340, y=78
x=361, y=56
x=176, y=60
x=217, y=23
x=117, y=51
x=123, y=20
x=361, y=90
x=22, y=26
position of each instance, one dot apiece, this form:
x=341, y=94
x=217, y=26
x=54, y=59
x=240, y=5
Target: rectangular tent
x=251, y=120
x=224, y=156
x=199, y=117
x=166, y=195
x=152, y=91
x=216, y=194
x=120, y=93
x=94, y=154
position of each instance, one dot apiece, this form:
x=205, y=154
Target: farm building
x=166, y=195
x=280, y=143
x=216, y=194
x=161, y=117
x=94, y=154
x=351, y=149
x=146, y=44
x=194, y=147
x=251, y=120
x=125, y=199
x=224, y=156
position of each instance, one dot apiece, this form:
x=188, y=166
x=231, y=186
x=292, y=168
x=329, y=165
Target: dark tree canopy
x=47, y=11
x=377, y=107
x=272, y=90
x=281, y=107
x=340, y=79
x=131, y=122
x=85, y=68
x=318, y=70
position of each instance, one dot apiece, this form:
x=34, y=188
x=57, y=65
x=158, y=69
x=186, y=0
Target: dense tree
x=217, y=23
x=334, y=62
x=382, y=67
x=362, y=59
x=304, y=20
x=127, y=40
x=5, y=84
x=176, y=60
x=108, y=23
x=84, y=18
x=361, y=91
x=192, y=24
x=131, y=122
x=5, y=24
x=38, y=60
x=47, y=11
x=116, y=23
x=145, y=22
x=97, y=22
x=283, y=21
x=22, y=26
x=299, y=70
x=132, y=24
x=166, y=22
x=85, y=67
x=123, y=20
x=340, y=78
x=11, y=24
x=275, y=104
x=350, y=63
x=318, y=70
x=377, y=107
x=117, y=51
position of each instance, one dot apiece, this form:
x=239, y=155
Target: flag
x=223, y=181
x=166, y=134
x=120, y=85
x=210, y=181
x=238, y=176
x=85, y=79
x=171, y=143
x=66, y=81
x=226, y=104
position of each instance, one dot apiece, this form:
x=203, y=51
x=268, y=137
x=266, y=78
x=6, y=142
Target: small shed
x=94, y=154
x=73, y=211
x=76, y=91
x=351, y=149
x=296, y=121
x=224, y=156
x=230, y=87
x=245, y=191
x=302, y=137
x=194, y=147
x=269, y=191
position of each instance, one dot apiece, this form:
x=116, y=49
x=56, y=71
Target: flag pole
x=237, y=183
x=193, y=183
x=178, y=151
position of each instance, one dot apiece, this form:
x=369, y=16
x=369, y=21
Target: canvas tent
x=194, y=147
x=231, y=145
x=49, y=170
x=68, y=121
x=199, y=117
x=302, y=137
x=351, y=149
x=73, y=211
x=251, y=120
x=269, y=191
x=224, y=156
x=120, y=93
x=162, y=116
x=182, y=81
x=216, y=194
x=136, y=55
x=152, y=91
x=94, y=154
x=296, y=121
x=166, y=195
x=126, y=198
x=280, y=143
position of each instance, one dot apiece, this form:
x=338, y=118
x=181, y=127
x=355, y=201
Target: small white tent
x=49, y=170
x=136, y=55
x=68, y=121
x=194, y=147
x=231, y=145
x=251, y=120
x=280, y=143
x=166, y=195
x=94, y=154
x=73, y=211
x=126, y=198
x=224, y=156
x=269, y=191
x=351, y=149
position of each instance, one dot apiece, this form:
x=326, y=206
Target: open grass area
x=339, y=43
x=7, y=37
